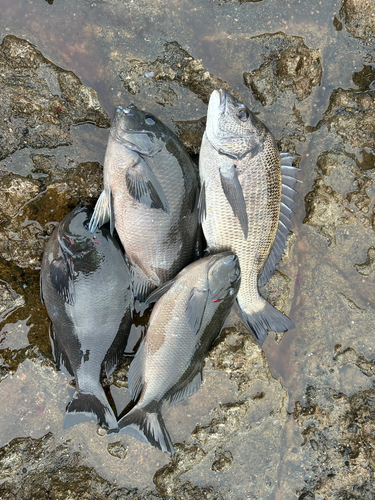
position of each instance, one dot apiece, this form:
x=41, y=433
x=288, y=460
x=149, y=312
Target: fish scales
x=87, y=292
x=183, y=325
x=250, y=235
x=156, y=217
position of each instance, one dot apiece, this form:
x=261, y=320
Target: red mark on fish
x=40, y=410
x=298, y=280
x=216, y=300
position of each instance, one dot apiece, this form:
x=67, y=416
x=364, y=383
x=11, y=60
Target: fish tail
x=147, y=426
x=87, y=406
x=261, y=317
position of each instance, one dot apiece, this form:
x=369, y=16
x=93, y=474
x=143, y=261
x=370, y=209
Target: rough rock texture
x=350, y=115
x=369, y=265
x=359, y=19
x=349, y=355
x=40, y=101
x=31, y=209
x=190, y=134
x=350, y=122
x=9, y=301
x=174, y=67
x=290, y=66
x=326, y=210
x=44, y=469
x=338, y=433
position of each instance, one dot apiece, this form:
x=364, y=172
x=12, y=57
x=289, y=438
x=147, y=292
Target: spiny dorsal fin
x=288, y=179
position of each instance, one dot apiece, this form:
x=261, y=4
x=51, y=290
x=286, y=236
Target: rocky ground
x=296, y=420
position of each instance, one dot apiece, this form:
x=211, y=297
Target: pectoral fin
x=103, y=211
x=202, y=204
x=144, y=187
x=233, y=191
x=195, y=308
x=159, y=292
x=61, y=273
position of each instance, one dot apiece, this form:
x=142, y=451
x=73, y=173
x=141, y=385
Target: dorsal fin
x=288, y=180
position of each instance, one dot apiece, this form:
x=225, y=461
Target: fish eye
x=234, y=278
x=243, y=114
x=150, y=120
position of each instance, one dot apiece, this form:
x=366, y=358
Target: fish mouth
x=225, y=272
x=126, y=129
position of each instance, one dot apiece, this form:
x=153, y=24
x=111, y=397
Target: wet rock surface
x=290, y=66
x=175, y=67
x=359, y=19
x=350, y=115
x=325, y=210
x=293, y=421
x=42, y=468
x=40, y=101
x=32, y=208
x=338, y=433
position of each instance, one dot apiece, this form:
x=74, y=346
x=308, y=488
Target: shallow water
x=329, y=300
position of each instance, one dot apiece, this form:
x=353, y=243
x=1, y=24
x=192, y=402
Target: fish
x=86, y=288
x=189, y=313
x=245, y=203
x=151, y=190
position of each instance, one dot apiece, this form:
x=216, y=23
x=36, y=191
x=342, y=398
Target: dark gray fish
x=86, y=287
x=246, y=202
x=183, y=325
x=150, y=195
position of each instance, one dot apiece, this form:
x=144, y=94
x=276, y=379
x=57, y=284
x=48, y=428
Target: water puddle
x=273, y=424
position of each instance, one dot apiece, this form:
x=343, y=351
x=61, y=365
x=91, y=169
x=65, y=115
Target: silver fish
x=86, y=287
x=246, y=202
x=150, y=195
x=183, y=325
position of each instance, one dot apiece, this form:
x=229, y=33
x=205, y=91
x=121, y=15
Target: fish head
x=224, y=275
x=232, y=129
x=74, y=235
x=138, y=130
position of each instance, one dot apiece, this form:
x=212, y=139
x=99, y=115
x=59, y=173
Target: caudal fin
x=262, y=318
x=147, y=427
x=85, y=406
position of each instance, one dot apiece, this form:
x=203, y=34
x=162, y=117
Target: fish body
x=245, y=202
x=150, y=195
x=86, y=287
x=183, y=325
